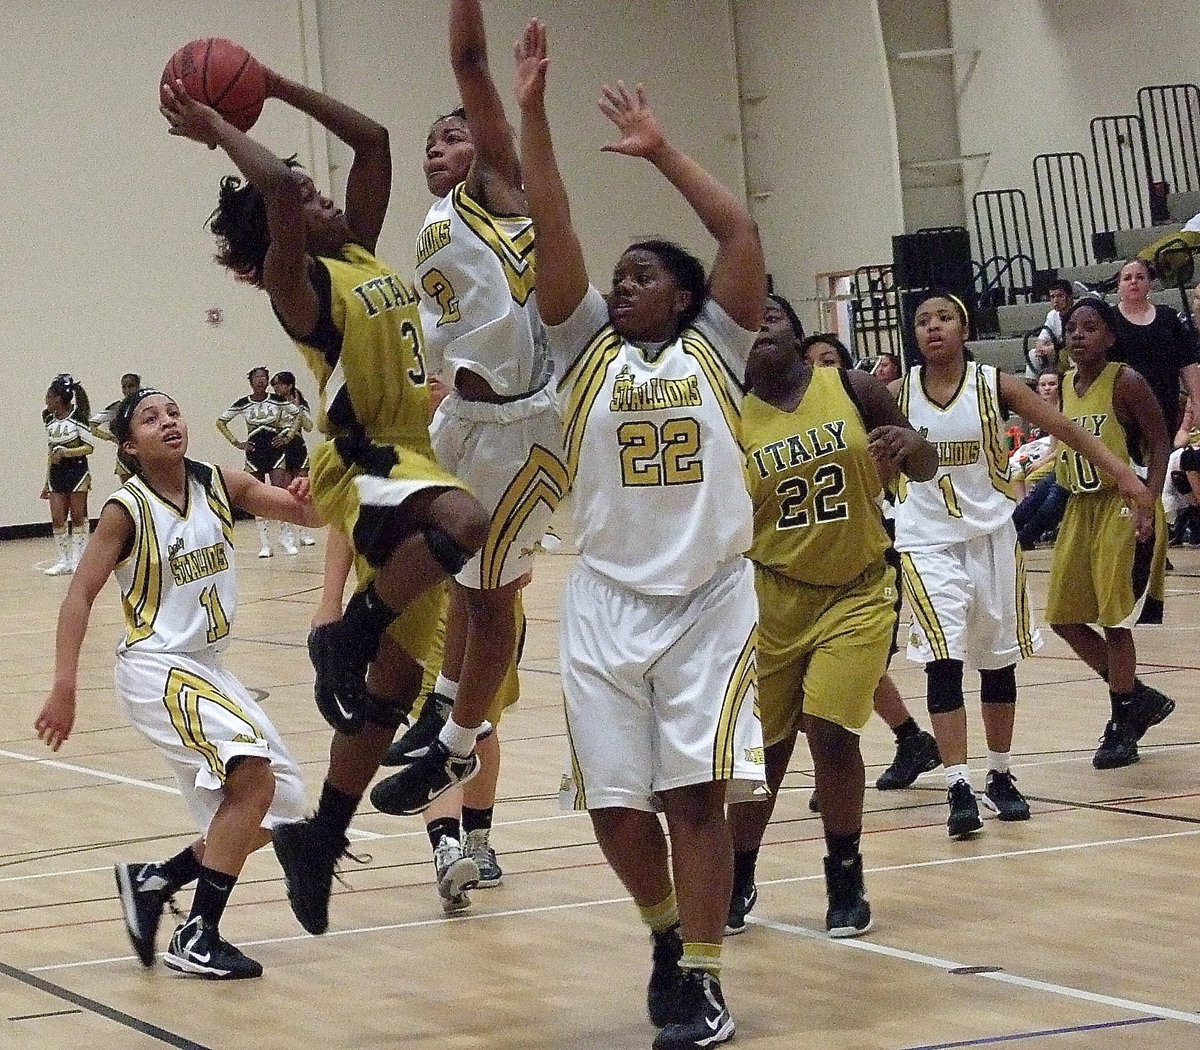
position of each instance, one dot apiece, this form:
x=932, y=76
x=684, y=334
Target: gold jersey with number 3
x=813, y=484
x=972, y=493
x=178, y=583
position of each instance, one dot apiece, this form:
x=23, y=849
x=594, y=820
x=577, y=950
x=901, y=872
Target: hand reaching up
x=641, y=133
x=532, y=63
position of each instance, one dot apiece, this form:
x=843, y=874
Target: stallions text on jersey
x=972, y=493
x=178, y=584
x=476, y=274
x=653, y=437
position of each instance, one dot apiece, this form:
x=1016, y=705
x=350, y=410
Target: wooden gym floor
x=1077, y=929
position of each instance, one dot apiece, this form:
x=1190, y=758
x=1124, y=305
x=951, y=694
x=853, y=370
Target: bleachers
x=1182, y=206
x=1019, y=318
x=1008, y=355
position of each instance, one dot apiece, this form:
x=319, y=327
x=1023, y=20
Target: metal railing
x=874, y=312
x=1121, y=155
x=1002, y=226
x=1064, y=195
x=1171, y=115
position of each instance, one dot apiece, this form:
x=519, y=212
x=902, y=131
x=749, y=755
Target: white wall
x=106, y=266
x=821, y=137
x=1047, y=67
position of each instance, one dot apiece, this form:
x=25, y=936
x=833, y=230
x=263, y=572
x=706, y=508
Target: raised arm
x=738, y=281
x=285, y=270
x=562, y=274
x=369, y=183
x=495, y=174
x=1016, y=396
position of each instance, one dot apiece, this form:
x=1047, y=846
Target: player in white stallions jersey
x=498, y=430
x=658, y=624
x=167, y=536
x=960, y=558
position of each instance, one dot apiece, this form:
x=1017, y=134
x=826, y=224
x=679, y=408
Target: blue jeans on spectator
x=1040, y=511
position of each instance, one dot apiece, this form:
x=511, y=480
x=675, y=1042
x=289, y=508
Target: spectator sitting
x=1061, y=297
x=1181, y=492
x=1043, y=354
x=1037, y=515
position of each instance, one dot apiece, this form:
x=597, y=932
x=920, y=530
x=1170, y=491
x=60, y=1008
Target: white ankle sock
x=998, y=760
x=444, y=687
x=460, y=741
x=956, y=773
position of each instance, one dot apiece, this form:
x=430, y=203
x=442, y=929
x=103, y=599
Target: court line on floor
x=516, y=912
x=117, y=778
x=1016, y=1037
x=1000, y=976
x=100, y=1009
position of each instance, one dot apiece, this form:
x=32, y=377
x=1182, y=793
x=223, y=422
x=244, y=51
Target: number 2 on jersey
x=660, y=455
x=829, y=482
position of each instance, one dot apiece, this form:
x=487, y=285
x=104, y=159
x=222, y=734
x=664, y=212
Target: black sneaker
x=916, y=753
x=340, y=687
x=741, y=900
x=143, y=892
x=1002, y=797
x=309, y=858
x=410, y=791
x=702, y=1018
x=849, y=913
x=964, y=820
x=423, y=732
x=1149, y=707
x=198, y=949
x=1118, y=747
x=814, y=802
x=479, y=849
x=666, y=978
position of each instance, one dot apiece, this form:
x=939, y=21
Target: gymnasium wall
x=106, y=265
x=1047, y=67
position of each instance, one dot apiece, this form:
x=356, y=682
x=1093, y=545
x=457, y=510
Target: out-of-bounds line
x=1067, y=991
x=480, y=917
x=986, y=1040
x=116, y=778
x=136, y=1024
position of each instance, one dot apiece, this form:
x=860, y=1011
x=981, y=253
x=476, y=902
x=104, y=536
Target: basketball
x=223, y=75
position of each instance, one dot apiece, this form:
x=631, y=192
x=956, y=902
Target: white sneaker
x=265, y=552
x=290, y=549
x=307, y=539
x=61, y=568
x=456, y=874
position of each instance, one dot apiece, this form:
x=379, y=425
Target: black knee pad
x=998, y=687
x=446, y=550
x=388, y=714
x=944, y=686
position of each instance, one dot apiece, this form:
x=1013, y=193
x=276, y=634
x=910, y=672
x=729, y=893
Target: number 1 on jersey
x=946, y=484
x=218, y=622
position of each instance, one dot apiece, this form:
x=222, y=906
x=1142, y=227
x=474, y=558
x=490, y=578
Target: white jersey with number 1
x=972, y=493
x=178, y=584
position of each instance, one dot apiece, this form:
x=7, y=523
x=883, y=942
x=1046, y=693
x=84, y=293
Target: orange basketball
x=223, y=75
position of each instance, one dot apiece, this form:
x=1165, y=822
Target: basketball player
x=962, y=566
x=1109, y=565
x=68, y=479
x=267, y=432
x=812, y=435
x=657, y=637
x=101, y=423
x=497, y=430
x=409, y=522
x=298, y=421
x=167, y=537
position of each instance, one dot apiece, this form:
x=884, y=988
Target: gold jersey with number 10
x=972, y=493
